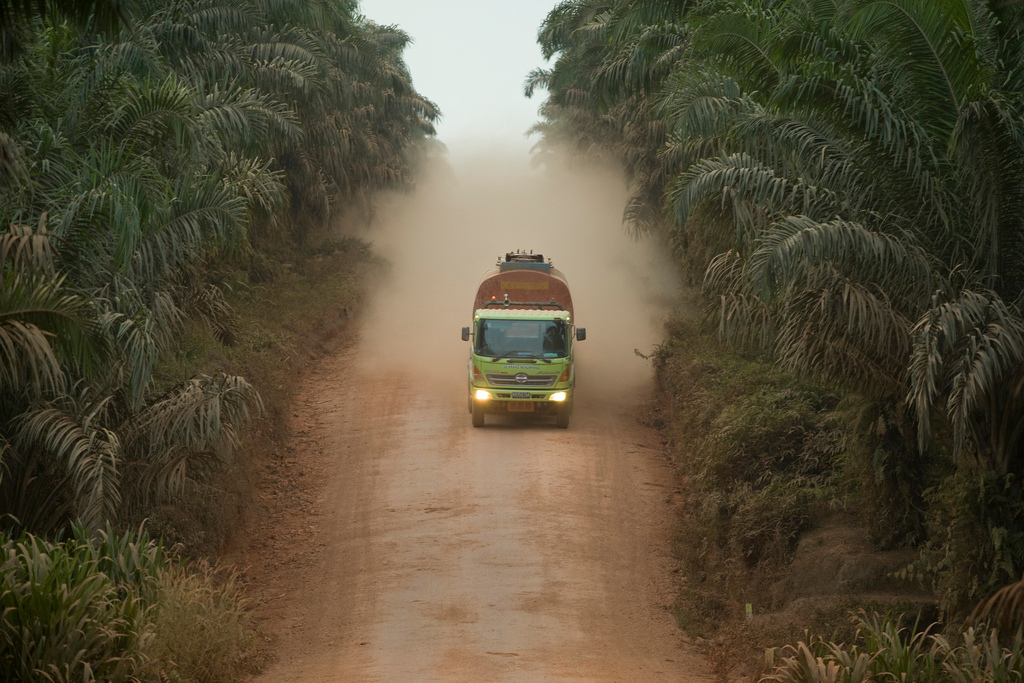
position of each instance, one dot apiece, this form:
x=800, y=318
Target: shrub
x=766, y=523
x=976, y=543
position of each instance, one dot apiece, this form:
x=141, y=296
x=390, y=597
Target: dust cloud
x=443, y=237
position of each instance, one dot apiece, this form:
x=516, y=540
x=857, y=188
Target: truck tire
x=562, y=417
x=478, y=414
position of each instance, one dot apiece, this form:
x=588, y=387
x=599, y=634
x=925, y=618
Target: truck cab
x=521, y=355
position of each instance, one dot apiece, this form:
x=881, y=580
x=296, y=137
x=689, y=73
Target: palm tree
x=16, y=17
x=147, y=149
x=845, y=178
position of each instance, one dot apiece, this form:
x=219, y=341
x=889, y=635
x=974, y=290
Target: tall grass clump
x=202, y=626
x=112, y=607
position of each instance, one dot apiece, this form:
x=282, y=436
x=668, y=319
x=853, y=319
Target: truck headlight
x=482, y=395
x=557, y=396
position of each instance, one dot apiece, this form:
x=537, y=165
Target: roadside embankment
x=777, y=516
x=290, y=306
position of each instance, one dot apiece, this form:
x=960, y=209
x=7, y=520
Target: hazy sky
x=471, y=57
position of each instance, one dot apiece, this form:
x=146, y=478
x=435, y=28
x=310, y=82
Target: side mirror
x=581, y=333
x=465, y=334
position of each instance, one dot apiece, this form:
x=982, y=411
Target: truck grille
x=531, y=381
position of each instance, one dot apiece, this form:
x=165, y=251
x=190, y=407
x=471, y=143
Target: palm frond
x=41, y=325
x=1005, y=609
x=197, y=422
x=970, y=350
x=89, y=453
x=793, y=246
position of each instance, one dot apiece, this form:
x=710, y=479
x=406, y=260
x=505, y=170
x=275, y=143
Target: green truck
x=523, y=333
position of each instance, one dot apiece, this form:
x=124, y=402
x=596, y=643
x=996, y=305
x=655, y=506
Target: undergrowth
x=288, y=302
x=115, y=607
x=761, y=454
x=765, y=457
x=202, y=625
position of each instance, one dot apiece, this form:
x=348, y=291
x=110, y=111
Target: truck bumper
x=535, y=402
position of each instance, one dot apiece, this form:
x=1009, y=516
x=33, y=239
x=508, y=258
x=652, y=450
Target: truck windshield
x=521, y=338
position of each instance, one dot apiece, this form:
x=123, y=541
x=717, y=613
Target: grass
x=202, y=626
x=65, y=618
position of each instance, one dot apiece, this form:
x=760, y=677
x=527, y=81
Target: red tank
x=527, y=281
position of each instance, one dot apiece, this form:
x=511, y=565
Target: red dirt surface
x=398, y=543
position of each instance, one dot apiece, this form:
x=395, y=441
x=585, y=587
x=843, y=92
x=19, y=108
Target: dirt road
x=401, y=544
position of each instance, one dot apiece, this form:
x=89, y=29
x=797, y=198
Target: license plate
x=520, y=394
x=520, y=407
